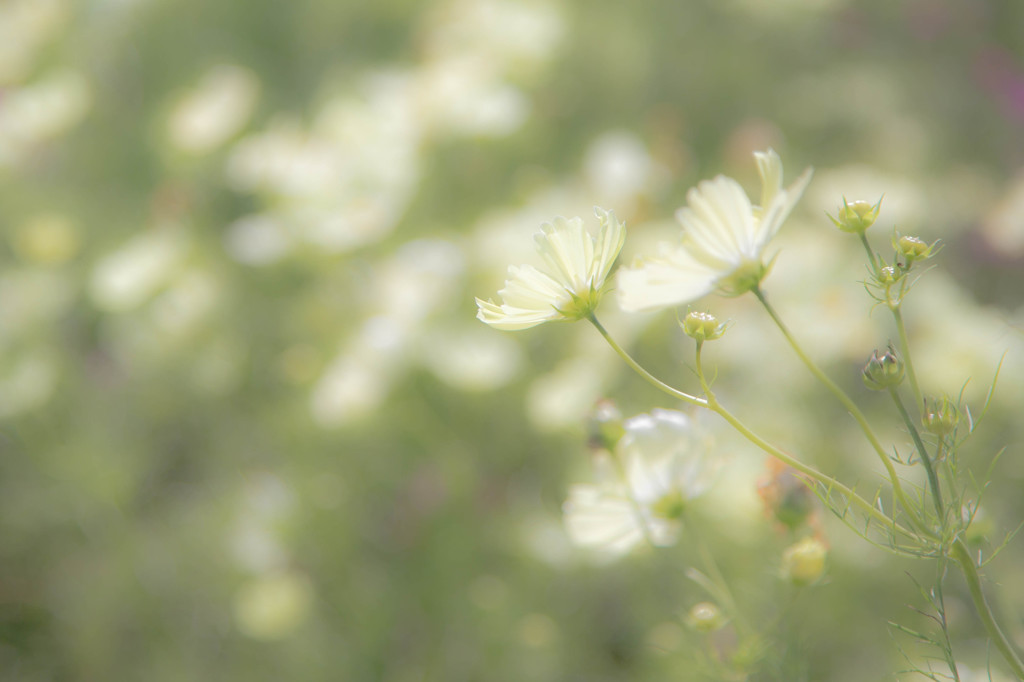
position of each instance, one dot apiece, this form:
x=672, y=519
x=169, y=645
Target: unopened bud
x=705, y=617
x=913, y=248
x=889, y=275
x=857, y=216
x=786, y=496
x=941, y=416
x=883, y=371
x=804, y=562
x=703, y=326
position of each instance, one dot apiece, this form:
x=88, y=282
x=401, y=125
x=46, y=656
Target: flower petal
x=673, y=278
x=568, y=249
x=781, y=206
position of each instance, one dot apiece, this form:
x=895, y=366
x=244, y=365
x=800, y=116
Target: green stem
x=901, y=329
x=712, y=404
x=871, y=254
x=922, y=453
x=787, y=459
x=848, y=404
x=635, y=366
x=970, y=570
x=722, y=591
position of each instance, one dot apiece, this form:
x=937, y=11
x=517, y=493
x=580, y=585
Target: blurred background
x=251, y=429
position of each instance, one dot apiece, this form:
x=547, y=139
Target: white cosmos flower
x=572, y=284
x=724, y=237
x=664, y=464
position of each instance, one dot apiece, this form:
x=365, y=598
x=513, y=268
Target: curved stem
x=849, y=405
x=712, y=404
x=635, y=366
x=981, y=605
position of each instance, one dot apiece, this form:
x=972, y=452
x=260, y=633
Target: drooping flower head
x=724, y=238
x=571, y=284
x=663, y=463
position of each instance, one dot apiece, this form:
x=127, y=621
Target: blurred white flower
x=618, y=167
x=724, y=237
x=217, y=109
x=41, y=111
x=471, y=359
x=126, y=278
x=573, y=283
x=643, y=488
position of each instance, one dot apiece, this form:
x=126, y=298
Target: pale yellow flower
x=724, y=238
x=571, y=285
x=663, y=464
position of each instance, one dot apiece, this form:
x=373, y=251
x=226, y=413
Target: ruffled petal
x=568, y=250
x=509, y=318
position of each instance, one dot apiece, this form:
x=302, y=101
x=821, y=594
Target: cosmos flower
x=643, y=488
x=724, y=238
x=571, y=285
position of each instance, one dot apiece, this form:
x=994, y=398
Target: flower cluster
x=722, y=249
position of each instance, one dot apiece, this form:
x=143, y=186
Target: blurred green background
x=251, y=430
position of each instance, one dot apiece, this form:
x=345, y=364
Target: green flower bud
x=804, y=562
x=913, y=248
x=604, y=426
x=705, y=617
x=703, y=326
x=883, y=371
x=889, y=275
x=941, y=416
x=856, y=217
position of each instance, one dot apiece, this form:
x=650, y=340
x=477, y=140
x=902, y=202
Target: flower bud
x=889, y=275
x=703, y=326
x=786, y=496
x=604, y=426
x=804, y=562
x=883, y=371
x=913, y=248
x=705, y=617
x=856, y=217
x=941, y=416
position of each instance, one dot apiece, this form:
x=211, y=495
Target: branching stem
x=712, y=404
x=851, y=407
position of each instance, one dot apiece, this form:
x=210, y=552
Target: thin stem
x=675, y=393
x=871, y=254
x=848, y=404
x=901, y=329
x=789, y=460
x=712, y=404
x=922, y=453
x=722, y=591
x=970, y=570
